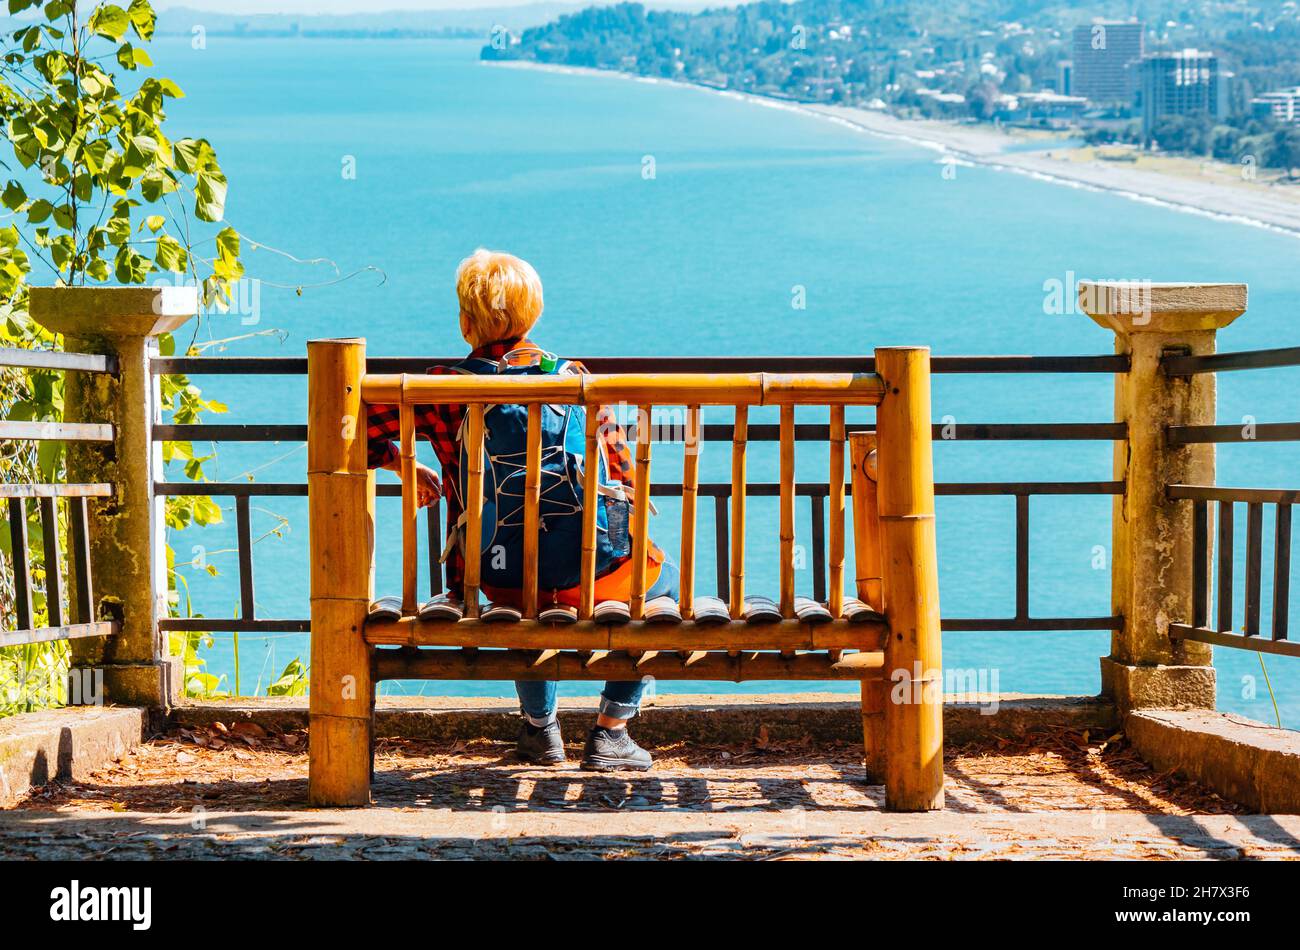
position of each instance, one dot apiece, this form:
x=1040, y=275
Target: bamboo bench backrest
x=691, y=390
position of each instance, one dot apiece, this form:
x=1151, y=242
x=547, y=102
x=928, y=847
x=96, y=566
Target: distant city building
x=1065, y=77
x=1281, y=104
x=1052, y=105
x=1103, y=67
x=1180, y=83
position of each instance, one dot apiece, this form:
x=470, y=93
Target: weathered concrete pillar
x=1151, y=552
x=128, y=568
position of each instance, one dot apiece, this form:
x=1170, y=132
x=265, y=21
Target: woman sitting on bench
x=500, y=302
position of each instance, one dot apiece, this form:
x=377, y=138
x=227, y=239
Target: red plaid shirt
x=440, y=423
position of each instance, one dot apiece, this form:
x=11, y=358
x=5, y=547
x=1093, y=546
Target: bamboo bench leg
x=914, y=709
x=340, y=499
x=873, y=727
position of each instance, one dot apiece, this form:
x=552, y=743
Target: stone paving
x=238, y=792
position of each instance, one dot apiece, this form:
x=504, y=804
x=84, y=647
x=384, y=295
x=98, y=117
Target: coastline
x=1209, y=189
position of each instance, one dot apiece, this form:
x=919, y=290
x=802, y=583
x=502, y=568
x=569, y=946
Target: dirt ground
x=239, y=791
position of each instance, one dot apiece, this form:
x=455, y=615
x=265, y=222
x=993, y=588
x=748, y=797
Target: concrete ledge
x=1248, y=762
x=704, y=719
x=1158, y=687
x=39, y=747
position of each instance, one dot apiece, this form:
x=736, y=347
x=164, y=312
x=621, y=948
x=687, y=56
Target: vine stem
x=1271, y=695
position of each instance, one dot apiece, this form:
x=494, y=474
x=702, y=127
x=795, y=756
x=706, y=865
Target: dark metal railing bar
x=951, y=624
x=22, y=569
x=1281, y=571
x=1025, y=624
x=79, y=558
x=817, y=506
x=1022, y=557
x=713, y=432
x=1224, y=595
x=297, y=365
x=1182, y=365
x=232, y=625
x=244, y=529
x=1285, y=496
x=669, y=490
x=1200, y=563
x=722, y=544
x=1254, y=564
x=53, y=561
x=1234, y=641
x=1220, y=434
x=433, y=523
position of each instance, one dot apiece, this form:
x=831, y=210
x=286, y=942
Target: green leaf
x=39, y=210
x=131, y=267
x=110, y=21
x=210, y=196
x=142, y=18
x=154, y=222
x=94, y=153
x=156, y=183
x=171, y=255
x=97, y=269
x=193, y=155
x=132, y=57
x=14, y=196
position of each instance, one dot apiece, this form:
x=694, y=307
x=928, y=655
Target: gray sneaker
x=609, y=750
x=544, y=746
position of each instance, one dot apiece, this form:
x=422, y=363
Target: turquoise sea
x=746, y=204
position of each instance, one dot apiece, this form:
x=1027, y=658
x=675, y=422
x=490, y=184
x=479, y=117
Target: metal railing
x=1212, y=570
x=47, y=497
x=817, y=494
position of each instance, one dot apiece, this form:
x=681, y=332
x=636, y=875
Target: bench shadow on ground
x=1049, y=773
x=251, y=802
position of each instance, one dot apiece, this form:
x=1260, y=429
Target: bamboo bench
x=893, y=647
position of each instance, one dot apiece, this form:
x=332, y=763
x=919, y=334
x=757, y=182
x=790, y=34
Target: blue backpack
x=560, y=508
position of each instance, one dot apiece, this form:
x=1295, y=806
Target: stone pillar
x=1151, y=552
x=128, y=566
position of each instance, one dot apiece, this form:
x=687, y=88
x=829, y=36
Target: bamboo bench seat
x=887, y=637
x=633, y=635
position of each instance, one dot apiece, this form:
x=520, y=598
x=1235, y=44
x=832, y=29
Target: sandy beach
x=1186, y=184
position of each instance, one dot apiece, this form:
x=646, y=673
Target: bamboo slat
x=738, y=512
x=523, y=665
x=787, y=512
x=590, y=499
x=410, y=513
x=835, y=600
x=715, y=389
x=473, y=507
x=591, y=637
x=690, y=496
x=866, y=520
x=641, y=514
x=532, y=506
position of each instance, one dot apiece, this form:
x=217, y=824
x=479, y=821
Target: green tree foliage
x=100, y=194
x=107, y=195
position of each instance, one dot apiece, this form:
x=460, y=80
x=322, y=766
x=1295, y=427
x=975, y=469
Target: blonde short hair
x=500, y=297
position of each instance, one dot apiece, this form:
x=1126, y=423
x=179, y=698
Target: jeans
x=619, y=700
